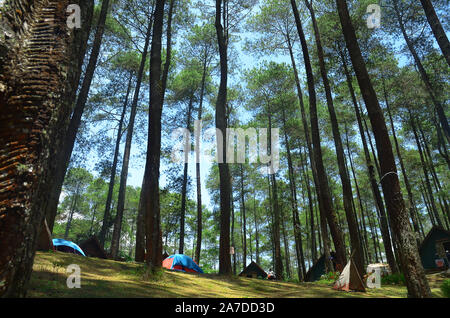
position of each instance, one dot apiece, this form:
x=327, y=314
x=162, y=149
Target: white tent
x=350, y=279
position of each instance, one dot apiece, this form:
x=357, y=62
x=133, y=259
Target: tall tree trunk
x=139, y=254
x=436, y=27
x=244, y=217
x=294, y=207
x=39, y=74
x=127, y=152
x=442, y=199
x=416, y=281
x=371, y=173
x=412, y=209
x=423, y=74
x=425, y=170
x=65, y=152
x=198, y=247
x=276, y=212
x=151, y=175
x=364, y=229
x=324, y=192
x=185, y=179
x=287, y=255
x=106, y=215
x=232, y=234
x=220, y=118
x=358, y=255
x=255, y=218
x=71, y=213
x=308, y=142
x=310, y=206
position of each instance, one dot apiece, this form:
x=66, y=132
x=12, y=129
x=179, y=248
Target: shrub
x=329, y=277
x=445, y=287
x=393, y=279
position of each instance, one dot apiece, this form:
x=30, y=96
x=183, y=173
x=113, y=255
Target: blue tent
x=183, y=263
x=67, y=246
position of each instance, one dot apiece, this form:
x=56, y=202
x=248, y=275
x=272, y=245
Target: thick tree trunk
x=151, y=175
x=324, y=192
x=436, y=27
x=40, y=65
x=220, y=118
x=416, y=281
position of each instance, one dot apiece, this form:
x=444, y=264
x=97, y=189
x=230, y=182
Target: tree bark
x=39, y=73
x=220, y=119
x=416, y=281
x=151, y=175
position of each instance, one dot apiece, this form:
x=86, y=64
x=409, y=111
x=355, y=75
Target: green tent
x=436, y=245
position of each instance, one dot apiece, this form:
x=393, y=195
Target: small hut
x=435, y=248
x=253, y=271
x=92, y=248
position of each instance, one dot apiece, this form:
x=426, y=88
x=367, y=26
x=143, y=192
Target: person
x=271, y=275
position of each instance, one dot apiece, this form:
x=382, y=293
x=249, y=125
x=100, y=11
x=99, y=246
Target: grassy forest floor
x=107, y=278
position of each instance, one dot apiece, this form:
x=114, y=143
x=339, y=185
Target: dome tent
x=67, y=247
x=181, y=262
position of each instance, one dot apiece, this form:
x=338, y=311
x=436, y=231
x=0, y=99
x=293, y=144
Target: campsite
x=224, y=149
x=113, y=279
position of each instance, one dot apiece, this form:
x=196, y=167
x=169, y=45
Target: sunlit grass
x=107, y=278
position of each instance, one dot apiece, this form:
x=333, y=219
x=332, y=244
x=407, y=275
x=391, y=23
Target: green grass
x=107, y=278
